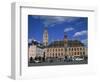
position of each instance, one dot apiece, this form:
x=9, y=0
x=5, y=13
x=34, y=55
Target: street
x=58, y=63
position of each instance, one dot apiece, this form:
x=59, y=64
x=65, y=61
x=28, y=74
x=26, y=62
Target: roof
x=75, y=43
x=56, y=44
x=40, y=45
x=71, y=43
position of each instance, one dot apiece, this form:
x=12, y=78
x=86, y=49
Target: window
x=83, y=53
x=53, y=54
x=53, y=50
x=56, y=54
x=80, y=53
x=61, y=53
x=56, y=49
x=75, y=53
x=61, y=49
x=72, y=49
x=75, y=49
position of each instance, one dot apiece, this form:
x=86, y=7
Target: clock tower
x=45, y=37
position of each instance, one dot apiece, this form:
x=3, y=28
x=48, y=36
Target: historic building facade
x=65, y=47
x=56, y=49
x=31, y=50
x=45, y=37
x=35, y=49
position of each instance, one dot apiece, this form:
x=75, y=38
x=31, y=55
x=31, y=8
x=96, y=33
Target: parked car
x=36, y=61
x=79, y=59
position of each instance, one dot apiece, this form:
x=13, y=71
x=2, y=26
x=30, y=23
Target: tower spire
x=65, y=39
x=45, y=36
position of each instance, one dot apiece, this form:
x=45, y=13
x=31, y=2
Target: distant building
x=39, y=50
x=35, y=49
x=56, y=49
x=45, y=37
x=65, y=47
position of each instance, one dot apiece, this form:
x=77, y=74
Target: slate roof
x=71, y=43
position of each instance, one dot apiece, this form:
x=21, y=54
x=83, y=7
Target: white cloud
x=80, y=33
x=29, y=40
x=53, y=20
x=84, y=41
x=68, y=29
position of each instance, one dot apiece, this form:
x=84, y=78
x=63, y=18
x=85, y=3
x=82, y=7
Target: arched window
x=56, y=50
x=75, y=49
x=75, y=53
x=61, y=49
x=83, y=53
x=53, y=54
x=80, y=53
x=72, y=49
x=61, y=54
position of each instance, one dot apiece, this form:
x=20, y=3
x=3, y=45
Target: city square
x=64, y=49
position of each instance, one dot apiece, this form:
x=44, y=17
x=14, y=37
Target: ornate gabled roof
x=75, y=43
x=70, y=43
x=56, y=44
x=33, y=42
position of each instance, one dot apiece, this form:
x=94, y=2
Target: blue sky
x=75, y=27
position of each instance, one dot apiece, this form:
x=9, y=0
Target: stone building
x=45, y=37
x=35, y=49
x=56, y=49
x=65, y=47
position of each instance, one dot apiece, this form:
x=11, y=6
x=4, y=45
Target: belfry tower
x=65, y=40
x=45, y=37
